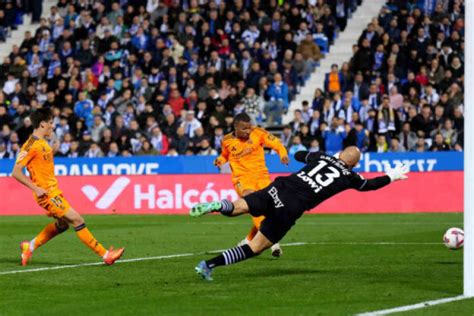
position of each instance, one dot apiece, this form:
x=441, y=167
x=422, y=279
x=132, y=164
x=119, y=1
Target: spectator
x=333, y=82
x=334, y=136
x=408, y=139
x=296, y=145
x=359, y=88
x=396, y=99
x=363, y=57
x=9, y=85
x=113, y=150
x=449, y=134
x=85, y=143
x=318, y=99
x=190, y=124
x=94, y=151
x=205, y=148
x=251, y=105
x=305, y=136
x=423, y=121
x=395, y=146
x=147, y=150
x=278, y=94
x=181, y=140
x=381, y=145
x=97, y=129
x=286, y=136
x=314, y=146
x=358, y=136
x=386, y=118
x=309, y=50
x=83, y=109
x=159, y=141
x=306, y=112
x=439, y=143
x=3, y=151
x=172, y=152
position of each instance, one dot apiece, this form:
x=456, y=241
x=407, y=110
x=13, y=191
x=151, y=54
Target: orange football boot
x=113, y=255
x=26, y=253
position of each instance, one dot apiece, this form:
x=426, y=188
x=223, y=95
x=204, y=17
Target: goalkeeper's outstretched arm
x=392, y=174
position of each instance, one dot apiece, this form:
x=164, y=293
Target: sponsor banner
x=370, y=162
x=167, y=194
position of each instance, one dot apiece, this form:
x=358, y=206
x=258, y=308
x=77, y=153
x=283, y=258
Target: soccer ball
x=454, y=238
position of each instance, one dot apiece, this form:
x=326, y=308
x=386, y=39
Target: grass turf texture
x=337, y=278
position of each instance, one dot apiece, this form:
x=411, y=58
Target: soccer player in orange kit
x=243, y=149
x=37, y=156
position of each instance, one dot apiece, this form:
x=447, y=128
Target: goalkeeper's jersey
x=324, y=176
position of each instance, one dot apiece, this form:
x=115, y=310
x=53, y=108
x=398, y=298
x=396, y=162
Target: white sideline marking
x=415, y=306
x=70, y=266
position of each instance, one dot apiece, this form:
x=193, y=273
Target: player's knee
x=78, y=221
x=240, y=206
x=74, y=218
x=62, y=226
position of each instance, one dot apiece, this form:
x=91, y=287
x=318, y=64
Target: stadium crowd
x=156, y=77
x=401, y=91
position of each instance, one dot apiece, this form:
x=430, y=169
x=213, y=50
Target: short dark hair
x=40, y=115
x=241, y=117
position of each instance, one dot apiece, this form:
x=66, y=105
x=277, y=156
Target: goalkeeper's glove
x=398, y=173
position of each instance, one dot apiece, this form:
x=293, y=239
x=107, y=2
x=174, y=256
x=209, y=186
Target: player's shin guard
x=231, y=256
x=49, y=232
x=227, y=207
x=89, y=240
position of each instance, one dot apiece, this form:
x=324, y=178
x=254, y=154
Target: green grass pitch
x=349, y=264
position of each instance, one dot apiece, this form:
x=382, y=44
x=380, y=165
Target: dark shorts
x=280, y=208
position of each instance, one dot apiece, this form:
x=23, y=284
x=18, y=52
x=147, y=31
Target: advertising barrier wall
x=370, y=162
x=174, y=194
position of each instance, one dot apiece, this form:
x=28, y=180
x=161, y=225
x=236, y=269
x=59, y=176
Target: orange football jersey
x=247, y=158
x=37, y=156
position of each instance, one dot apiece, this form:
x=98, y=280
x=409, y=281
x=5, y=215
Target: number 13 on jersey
x=317, y=179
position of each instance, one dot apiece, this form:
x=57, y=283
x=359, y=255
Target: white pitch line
x=415, y=306
x=362, y=243
x=71, y=266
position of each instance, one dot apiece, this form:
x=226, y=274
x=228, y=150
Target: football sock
x=89, y=240
x=49, y=231
x=227, y=207
x=231, y=256
x=257, y=221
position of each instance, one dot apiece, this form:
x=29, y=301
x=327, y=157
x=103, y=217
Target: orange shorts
x=55, y=205
x=254, y=184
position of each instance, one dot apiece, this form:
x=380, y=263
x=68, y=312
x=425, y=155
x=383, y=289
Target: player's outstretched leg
x=277, y=252
x=109, y=256
x=225, y=207
x=210, y=207
x=49, y=232
x=233, y=255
